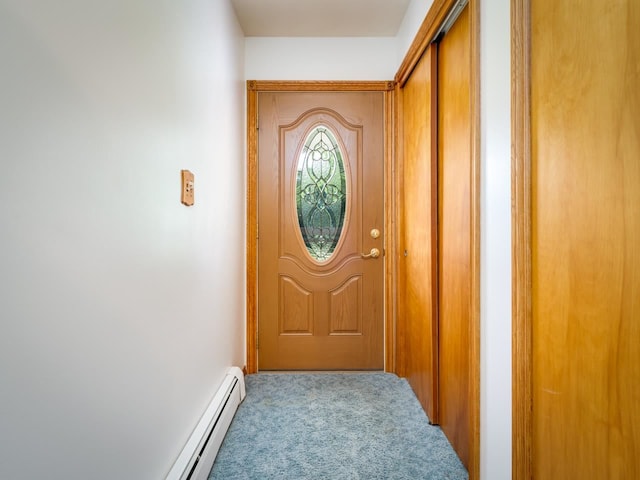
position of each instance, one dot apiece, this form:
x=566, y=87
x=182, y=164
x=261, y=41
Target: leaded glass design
x=321, y=193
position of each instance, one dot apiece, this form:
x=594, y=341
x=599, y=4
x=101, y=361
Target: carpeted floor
x=333, y=426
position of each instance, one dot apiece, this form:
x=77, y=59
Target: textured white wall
x=333, y=58
x=120, y=308
x=328, y=58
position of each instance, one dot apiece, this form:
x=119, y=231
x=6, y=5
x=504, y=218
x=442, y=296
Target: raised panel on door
x=345, y=308
x=319, y=194
x=418, y=306
x=585, y=140
x=296, y=308
x=454, y=233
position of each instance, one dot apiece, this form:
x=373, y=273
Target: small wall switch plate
x=187, y=188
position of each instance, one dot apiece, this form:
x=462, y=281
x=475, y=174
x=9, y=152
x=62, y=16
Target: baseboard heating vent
x=196, y=459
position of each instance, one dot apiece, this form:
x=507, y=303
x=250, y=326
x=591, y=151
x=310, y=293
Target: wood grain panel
x=398, y=184
x=473, y=466
x=585, y=140
x=391, y=227
x=521, y=240
x=345, y=307
x=454, y=228
x=419, y=313
x=296, y=307
x=252, y=231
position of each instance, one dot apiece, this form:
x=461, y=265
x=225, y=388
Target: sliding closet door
x=434, y=316
x=418, y=252
x=454, y=233
x=585, y=162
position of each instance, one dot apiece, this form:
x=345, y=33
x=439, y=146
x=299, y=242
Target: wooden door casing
x=326, y=315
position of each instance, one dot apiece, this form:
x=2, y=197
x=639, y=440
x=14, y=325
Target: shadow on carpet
x=333, y=426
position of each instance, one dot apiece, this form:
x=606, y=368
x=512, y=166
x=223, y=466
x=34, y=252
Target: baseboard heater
x=196, y=459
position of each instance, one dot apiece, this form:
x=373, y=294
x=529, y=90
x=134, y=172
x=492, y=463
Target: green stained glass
x=321, y=193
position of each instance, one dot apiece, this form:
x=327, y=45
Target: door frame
x=253, y=88
x=436, y=18
x=522, y=322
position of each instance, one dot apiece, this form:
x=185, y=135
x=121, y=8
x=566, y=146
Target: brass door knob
x=374, y=253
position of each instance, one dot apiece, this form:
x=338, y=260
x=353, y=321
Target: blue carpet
x=333, y=426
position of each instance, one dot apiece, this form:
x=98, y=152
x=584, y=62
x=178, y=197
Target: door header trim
x=319, y=86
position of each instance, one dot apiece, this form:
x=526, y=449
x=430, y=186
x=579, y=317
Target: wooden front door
x=320, y=230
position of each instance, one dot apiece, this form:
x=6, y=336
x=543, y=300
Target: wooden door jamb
x=522, y=362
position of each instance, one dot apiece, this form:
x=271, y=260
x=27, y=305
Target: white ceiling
x=320, y=18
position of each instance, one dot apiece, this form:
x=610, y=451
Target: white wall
x=120, y=308
x=266, y=60
x=328, y=58
x=495, y=254
x=413, y=18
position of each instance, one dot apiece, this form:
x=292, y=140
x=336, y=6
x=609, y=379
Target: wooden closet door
x=435, y=307
x=585, y=139
x=454, y=233
x=418, y=313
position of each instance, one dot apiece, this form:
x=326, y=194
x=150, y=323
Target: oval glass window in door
x=321, y=193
